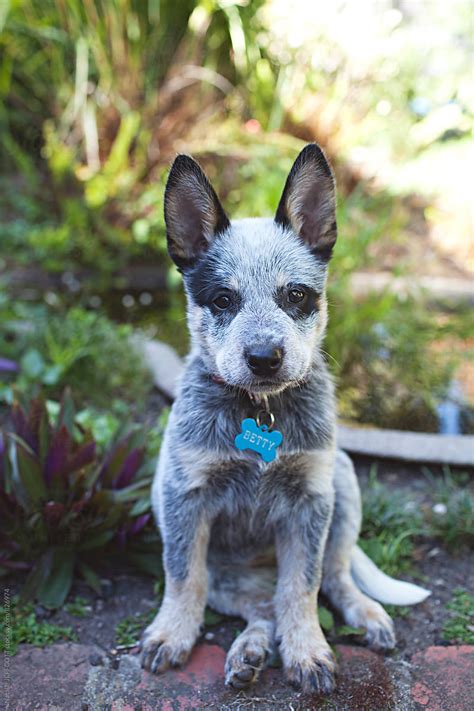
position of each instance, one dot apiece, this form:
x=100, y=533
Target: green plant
x=398, y=611
x=79, y=607
x=20, y=625
x=63, y=503
x=211, y=617
x=460, y=625
x=390, y=522
x=327, y=622
x=82, y=349
x=451, y=517
x=87, y=93
x=128, y=631
x=381, y=345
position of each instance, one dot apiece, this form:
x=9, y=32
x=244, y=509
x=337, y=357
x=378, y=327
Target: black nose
x=264, y=360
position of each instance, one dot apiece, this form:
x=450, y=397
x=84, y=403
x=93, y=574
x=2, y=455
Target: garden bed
x=99, y=664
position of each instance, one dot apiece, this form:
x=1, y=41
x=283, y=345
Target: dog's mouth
x=273, y=386
x=268, y=387
x=255, y=386
x=261, y=385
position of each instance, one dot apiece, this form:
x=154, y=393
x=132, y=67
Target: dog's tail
x=374, y=583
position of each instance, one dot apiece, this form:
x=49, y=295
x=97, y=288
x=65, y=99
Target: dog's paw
x=162, y=648
x=380, y=632
x=246, y=658
x=308, y=661
x=316, y=676
x=243, y=669
x=160, y=655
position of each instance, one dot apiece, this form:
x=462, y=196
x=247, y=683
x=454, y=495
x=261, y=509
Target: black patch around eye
x=205, y=284
x=288, y=300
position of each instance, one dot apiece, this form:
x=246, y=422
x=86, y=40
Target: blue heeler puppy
x=254, y=539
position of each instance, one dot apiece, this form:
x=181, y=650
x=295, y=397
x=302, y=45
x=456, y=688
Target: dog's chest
x=251, y=496
x=242, y=526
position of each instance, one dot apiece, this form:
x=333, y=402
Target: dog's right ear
x=193, y=213
x=308, y=203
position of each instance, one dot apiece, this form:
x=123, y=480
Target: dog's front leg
x=185, y=529
x=300, y=542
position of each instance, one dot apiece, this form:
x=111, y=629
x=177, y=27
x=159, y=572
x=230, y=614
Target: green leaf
x=212, y=618
x=36, y=577
x=7, y=483
x=349, y=631
x=90, y=576
x=326, y=620
x=67, y=412
x=52, y=375
x=100, y=539
x=32, y=364
x=137, y=490
x=149, y=563
x=91, y=476
x=115, y=463
x=140, y=507
x=43, y=437
x=28, y=474
x=39, y=422
x=54, y=590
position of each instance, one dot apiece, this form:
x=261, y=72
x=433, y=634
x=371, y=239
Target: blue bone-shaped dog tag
x=259, y=439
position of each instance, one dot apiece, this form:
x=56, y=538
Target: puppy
x=254, y=533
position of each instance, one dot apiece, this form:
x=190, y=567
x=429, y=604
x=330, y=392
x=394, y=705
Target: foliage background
x=98, y=96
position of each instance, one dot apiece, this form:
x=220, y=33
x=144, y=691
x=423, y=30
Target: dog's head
x=256, y=287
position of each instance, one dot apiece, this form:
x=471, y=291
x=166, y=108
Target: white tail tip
x=376, y=584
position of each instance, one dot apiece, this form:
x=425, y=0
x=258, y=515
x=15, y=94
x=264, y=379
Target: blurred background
x=98, y=96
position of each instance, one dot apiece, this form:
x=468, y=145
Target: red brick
x=444, y=679
x=188, y=688
x=363, y=682
x=49, y=677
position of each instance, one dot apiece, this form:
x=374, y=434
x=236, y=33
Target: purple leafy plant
x=62, y=502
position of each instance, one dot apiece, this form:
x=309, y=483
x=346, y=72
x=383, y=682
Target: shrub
x=63, y=502
x=82, y=349
x=91, y=110
x=381, y=346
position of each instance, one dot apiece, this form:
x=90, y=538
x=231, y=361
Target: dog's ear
x=308, y=202
x=193, y=213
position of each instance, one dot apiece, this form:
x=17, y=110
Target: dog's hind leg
x=338, y=585
x=245, y=592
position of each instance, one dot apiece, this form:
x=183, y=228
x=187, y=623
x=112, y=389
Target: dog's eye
x=222, y=302
x=296, y=295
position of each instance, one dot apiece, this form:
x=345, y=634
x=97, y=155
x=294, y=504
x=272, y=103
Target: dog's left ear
x=308, y=202
x=193, y=213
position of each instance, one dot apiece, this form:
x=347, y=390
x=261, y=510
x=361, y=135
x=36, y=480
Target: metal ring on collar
x=265, y=414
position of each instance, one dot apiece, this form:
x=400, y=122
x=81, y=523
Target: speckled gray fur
x=210, y=499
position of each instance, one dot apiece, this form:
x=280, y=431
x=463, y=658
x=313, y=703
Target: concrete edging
x=457, y=450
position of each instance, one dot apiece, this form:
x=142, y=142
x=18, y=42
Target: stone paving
x=72, y=676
